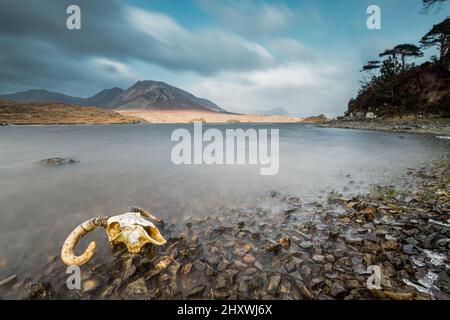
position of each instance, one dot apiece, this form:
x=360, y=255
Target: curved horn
x=67, y=254
x=145, y=213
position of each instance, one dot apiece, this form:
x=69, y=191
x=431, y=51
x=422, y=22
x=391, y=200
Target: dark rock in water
x=408, y=249
x=306, y=245
x=372, y=237
x=128, y=269
x=274, y=283
x=337, y=289
x=196, y=291
x=39, y=291
x=315, y=282
x=137, y=288
x=52, y=162
x=306, y=293
x=273, y=247
x=318, y=258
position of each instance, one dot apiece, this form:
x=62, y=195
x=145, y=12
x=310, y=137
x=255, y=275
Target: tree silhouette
x=427, y=4
x=404, y=51
x=388, y=52
x=439, y=36
x=371, y=65
x=408, y=50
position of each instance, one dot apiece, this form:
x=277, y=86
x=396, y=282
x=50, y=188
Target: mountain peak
x=144, y=94
x=104, y=97
x=150, y=94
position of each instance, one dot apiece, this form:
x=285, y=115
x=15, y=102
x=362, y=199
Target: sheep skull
x=133, y=231
x=130, y=228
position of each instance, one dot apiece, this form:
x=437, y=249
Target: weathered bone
x=67, y=254
x=130, y=228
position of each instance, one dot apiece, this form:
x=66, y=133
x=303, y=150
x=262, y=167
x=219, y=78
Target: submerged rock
x=52, y=162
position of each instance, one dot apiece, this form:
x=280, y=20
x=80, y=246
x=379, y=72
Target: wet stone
x=290, y=267
x=51, y=162
x=408, y=249
x=240, y=265
x=315, y=282
x=337, y=289
x=273, y=247
x=371, y=236
x=304, y=291
x=250, y=271
x=221, y=282
x=223, y=265
x=240, y=251
x=274, y=283
x=196, y=291
x=137, y=288
x=248, y=258
x=259, y=266
x=318, y=258
x=285, y=288
x=306, y=245
x=39, y=291
x=390, y=245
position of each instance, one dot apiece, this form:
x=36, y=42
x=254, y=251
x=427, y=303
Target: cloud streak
x=39, y=44
x=266, y=19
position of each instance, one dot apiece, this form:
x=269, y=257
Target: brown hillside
x=423, y=90
x=18, y=113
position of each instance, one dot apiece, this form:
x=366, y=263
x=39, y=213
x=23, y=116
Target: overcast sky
x=301, y=55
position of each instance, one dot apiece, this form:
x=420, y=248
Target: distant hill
x=104, y=98
x=143, y=95
x=155, y=95
x=40, y=95
x=32, y=113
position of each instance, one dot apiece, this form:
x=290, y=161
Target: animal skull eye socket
x=114, y=229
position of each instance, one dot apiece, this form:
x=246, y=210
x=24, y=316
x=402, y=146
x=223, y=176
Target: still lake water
x=124, y=165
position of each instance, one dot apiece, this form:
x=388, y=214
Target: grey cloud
x=250, y=17
x=40, y=49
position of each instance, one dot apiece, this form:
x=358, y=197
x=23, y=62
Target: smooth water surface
x=123, y=165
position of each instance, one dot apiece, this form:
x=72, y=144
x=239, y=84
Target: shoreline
x=303, y=251
x=437, y=126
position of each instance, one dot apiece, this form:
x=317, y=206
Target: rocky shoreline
x=436, y=126
x=303, y=251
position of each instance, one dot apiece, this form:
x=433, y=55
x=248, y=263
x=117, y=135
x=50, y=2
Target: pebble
x=137, y=288
x=248, y=258
x=318, y=258
x=306, y=245
x=337, y=289
x=274, y=283
x=408, y=249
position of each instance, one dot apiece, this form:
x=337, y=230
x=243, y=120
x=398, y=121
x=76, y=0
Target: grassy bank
x=15, y=113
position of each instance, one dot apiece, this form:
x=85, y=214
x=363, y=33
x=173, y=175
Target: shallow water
x=125, y=165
